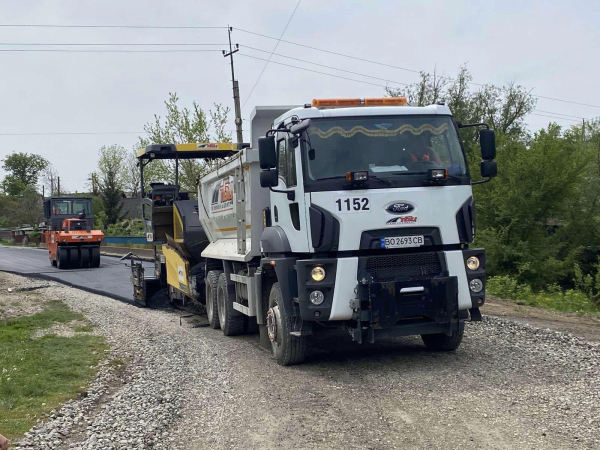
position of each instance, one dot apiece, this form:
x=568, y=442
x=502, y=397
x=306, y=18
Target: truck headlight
x=317, y=274
x=316, y=297
x=476, y=285
x=473, y=263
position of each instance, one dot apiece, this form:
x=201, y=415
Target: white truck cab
x=352, y=213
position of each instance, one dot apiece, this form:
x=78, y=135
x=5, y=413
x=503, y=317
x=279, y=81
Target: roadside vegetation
x=538, y=220
x=38, y=371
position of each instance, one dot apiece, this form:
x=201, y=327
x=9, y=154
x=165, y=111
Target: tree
x=503, y=108
x=110, y=181
x=30, y=207
x=182, y=125
x=24, y=170
x=131, y=174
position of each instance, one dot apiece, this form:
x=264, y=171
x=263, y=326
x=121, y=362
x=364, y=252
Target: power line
x=104, y=51
x=323, y=65
x=313, y=71
x=554, y=117
x=105, y=44
x=108, y=26
x=72, y=133
x=560, y=114
x=271, y=55
x=398, y=67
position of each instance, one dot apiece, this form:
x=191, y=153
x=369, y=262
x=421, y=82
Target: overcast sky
x=552, y=47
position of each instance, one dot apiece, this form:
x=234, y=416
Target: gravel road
x=509, y=386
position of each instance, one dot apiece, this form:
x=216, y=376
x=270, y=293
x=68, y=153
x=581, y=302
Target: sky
x=551, y=47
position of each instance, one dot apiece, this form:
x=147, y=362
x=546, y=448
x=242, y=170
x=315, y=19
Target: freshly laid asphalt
x=110, y=279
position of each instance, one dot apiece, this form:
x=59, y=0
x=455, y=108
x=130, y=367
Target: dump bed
x=218, y=196
x=220, y=190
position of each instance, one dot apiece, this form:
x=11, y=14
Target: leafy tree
x=131, y=174
x=30, y=207
x=110, y=181
x=182, y=125
x=24, y=170
x=503, y=108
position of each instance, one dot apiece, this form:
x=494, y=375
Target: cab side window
x=286, y=161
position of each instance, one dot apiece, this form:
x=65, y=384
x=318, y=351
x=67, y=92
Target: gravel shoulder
x=510, y=385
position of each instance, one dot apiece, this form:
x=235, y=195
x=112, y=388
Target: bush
x=132, y=227
x=553, y=297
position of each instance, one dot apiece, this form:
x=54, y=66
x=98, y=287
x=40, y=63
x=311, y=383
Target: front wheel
x=212, y=306
x=287, y=349
x=443, y=343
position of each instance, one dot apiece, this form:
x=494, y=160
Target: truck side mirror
x=269, y=178
x=266, y=152
x=489, y=169
x=487, y=139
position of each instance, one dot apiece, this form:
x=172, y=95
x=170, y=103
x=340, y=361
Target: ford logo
x=399, y=208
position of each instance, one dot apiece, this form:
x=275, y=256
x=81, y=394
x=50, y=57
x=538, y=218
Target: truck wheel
x=287, y=349
x=62, y=258
x=95, y=251
x=73, y=258
x=441, y=342
x=231, y=321
x=250, y=325
x=212, y=306
x=85, y=257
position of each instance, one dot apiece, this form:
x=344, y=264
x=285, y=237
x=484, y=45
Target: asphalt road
x=110, y=279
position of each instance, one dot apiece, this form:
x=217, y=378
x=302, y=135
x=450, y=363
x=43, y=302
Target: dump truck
x=71, y=238
x=355, y=214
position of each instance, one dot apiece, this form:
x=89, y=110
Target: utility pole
x=236, y=89
x=240, y=186
x=58, y=186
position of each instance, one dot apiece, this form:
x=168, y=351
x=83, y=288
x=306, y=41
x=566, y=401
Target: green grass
x=84, y=329
x=554, y=298
x=17, y=244
x=37, y=375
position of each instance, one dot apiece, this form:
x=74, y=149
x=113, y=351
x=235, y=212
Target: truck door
x=288, y=212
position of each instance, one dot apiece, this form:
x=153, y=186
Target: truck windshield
x=398, y=149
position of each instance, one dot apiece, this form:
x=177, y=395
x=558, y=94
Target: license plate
x=402, y=241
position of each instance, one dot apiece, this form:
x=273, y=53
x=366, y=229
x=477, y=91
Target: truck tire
x=85, y=257
x=231, y=321
x=95, y=251
x=250, y=325
x=62, y=258
x=287, y=349
x=212, y=305
x=440, y=342
x=73, y=257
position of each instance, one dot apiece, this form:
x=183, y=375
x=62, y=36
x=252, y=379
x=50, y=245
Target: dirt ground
x=583, y=326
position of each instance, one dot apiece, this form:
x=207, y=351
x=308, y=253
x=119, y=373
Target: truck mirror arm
x=291, y=195
x=470, y=125
x=481, y=181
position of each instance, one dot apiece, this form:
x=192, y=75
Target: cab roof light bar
x=350, y=102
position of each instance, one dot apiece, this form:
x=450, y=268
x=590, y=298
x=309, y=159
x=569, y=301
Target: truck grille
x=416, y=266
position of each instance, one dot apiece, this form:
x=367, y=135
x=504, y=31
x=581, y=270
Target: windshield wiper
x=450, y=177
x=371, y=177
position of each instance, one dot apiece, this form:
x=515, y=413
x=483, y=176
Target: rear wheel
x=231, y=321
x=441, y=342
x=62, y=258
x=287, y=349
x=212, y=308
x=95, y=251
